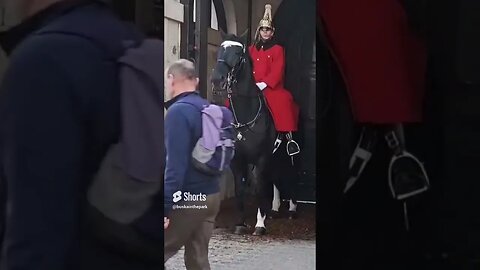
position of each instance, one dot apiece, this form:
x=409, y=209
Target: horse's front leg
x=263, y=194
x=276, y=203
x=292, y=190
x=240, y=178
x=287, y=179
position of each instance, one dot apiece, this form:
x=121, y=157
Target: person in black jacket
x=59, y=113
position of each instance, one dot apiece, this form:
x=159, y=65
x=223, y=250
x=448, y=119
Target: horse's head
x=230, y=55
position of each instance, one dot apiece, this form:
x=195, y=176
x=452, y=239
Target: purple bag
x=215, y=149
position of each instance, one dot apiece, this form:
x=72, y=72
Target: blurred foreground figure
x=60, y=113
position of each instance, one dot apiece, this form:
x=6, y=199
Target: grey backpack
x=125, y=206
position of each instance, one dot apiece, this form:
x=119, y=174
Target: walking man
x=193, y=195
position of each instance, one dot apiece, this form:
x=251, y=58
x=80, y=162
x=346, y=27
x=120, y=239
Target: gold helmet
x=266, y=21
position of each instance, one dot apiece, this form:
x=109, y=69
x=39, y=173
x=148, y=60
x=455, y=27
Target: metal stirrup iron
x=290, y=147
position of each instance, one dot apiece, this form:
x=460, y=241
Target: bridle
x=232, y=80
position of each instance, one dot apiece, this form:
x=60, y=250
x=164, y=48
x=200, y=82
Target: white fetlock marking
x=293, y=206
x=260, y=220
x=276, y=199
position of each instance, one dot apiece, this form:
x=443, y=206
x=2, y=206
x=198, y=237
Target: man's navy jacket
x=183, y=128
x=59, y=113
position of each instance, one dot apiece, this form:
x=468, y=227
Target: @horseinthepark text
x=189, y=197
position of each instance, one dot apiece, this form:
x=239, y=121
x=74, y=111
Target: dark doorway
x=148, y=15
x=294, y=21
x=125, y=9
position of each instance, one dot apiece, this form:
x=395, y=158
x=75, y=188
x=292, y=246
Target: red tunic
x=269, y=67
x=382, y=61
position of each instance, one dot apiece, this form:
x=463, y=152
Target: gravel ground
x=231, y=252
x=304, y=227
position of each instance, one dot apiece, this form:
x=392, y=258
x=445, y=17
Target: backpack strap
x=196, y=134
x=189, y=99
x=143, y=109
x=196, y=106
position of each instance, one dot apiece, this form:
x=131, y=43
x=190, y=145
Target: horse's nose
x=217, y=79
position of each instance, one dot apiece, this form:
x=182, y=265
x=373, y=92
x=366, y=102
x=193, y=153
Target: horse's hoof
x=274, y=214
x=240, y=230
x=292, y=214
x=259, y=231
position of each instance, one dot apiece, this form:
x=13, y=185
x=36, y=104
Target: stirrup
x=292, y=149
x=277, y=143
x=407, y=176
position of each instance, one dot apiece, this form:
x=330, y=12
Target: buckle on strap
x=396, y=139
x=392, y=140
x=289, y=136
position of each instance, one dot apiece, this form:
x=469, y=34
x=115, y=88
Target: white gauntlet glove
x=261, y=85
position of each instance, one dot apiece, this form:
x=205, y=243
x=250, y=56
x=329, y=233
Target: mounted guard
x=268, y=59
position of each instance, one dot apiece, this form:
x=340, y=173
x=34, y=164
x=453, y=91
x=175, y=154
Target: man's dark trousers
x=192, y=228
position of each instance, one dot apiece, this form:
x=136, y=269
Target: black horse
x=256, y=132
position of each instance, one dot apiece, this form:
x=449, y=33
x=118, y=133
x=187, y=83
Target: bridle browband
x=232, y=80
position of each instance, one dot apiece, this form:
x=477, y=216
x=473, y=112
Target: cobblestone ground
x=232, y=252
